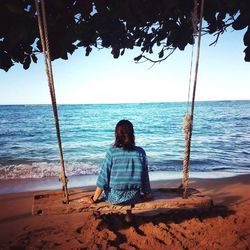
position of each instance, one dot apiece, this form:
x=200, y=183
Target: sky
x=99, y=78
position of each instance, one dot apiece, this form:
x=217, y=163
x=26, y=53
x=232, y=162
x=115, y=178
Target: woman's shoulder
x=117, y=151
x=113, y=150
x=140, y=150
x=136, y=148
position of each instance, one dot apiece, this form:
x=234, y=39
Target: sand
x=225, y=226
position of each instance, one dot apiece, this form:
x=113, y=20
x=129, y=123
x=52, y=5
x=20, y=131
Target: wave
x=44, y=169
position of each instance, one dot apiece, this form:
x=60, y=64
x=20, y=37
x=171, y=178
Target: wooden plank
x=52, y=202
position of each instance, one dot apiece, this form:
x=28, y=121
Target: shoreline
x=179, y=229
x=52, y=183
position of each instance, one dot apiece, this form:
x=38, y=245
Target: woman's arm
x=104, y=174
x=103, y=177
x=97, y=194
x=146, y=189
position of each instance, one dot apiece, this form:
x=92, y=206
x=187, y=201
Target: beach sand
x=225, y=226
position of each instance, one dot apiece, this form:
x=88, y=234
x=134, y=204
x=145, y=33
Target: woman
x=123, y=177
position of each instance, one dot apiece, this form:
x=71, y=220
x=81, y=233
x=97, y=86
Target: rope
x=194, y=21
x=188, y=121
x=42, y=24
x=190, y=76
x=186, y=160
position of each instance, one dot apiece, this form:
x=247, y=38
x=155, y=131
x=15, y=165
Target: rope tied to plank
x=188, y=119
x=42, y=25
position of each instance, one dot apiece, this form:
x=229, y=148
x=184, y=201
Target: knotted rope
x=42, y=24
x=186, y=160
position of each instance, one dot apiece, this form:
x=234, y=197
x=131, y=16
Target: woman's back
x=127, y=168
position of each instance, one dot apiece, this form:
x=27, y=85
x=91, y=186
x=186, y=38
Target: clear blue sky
x=223, y=75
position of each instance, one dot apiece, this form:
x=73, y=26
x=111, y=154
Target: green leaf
x=246, y=38
x=80, y=44
x=139, y=42
x=71, y=48
x=88, y=50
x=5, y=61
x=161, y=54
x=115, y=52
x=247, y=54
x=26, y=62
x=123, y=51
x=138, y=58
x=221, y=15
x=34, y=58
x=240, y=23
x=63, y=55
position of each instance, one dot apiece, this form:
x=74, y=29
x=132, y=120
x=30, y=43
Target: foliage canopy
x=117, y=25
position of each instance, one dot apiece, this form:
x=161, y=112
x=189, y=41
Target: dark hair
x=124, y=135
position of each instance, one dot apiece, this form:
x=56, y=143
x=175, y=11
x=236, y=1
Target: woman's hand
x=94, y=198
x=91, y=200
x=147, y=196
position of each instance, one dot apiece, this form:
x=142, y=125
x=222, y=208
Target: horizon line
x=120, y=103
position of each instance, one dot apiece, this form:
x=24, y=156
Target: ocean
x=28, y=144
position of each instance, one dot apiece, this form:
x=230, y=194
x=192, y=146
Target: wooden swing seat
x=50, y=203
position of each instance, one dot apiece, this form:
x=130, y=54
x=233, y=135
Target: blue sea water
x=28, y=144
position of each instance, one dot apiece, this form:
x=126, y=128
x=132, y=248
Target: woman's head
x=124, y=135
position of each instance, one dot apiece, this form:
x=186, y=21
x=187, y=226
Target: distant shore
x=225, y=226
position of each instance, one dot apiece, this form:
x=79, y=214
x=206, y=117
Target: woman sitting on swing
x=123, y=178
